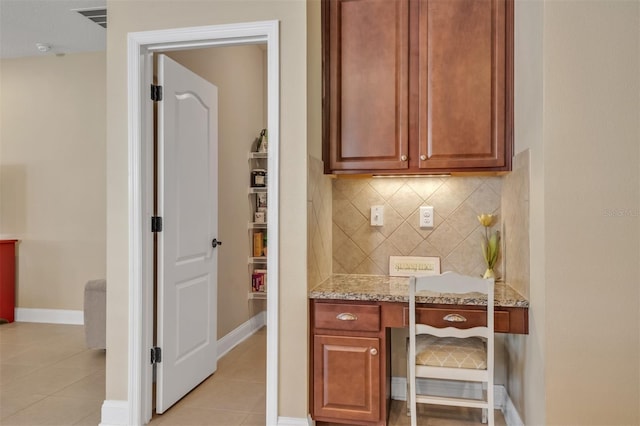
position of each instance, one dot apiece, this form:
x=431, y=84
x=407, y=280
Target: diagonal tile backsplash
x=359, y=248
x=515, y=211
x=319, y=219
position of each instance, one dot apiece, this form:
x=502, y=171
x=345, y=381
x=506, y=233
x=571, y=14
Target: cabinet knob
x=403, y=157
x=423, y=157
x=373, y=351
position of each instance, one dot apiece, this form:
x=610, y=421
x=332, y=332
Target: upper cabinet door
x=464, y=84
x=365, y=111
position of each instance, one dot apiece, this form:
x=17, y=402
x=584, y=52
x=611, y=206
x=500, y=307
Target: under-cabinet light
x=411, y=176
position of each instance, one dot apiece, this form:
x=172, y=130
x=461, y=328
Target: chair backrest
x=456, y=285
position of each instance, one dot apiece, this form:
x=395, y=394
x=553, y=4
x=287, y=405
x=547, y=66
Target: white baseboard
x=511, y=415
x=241, y=333
x=500, y=397
x=51, y=316
x=114, y=413
x=292, y=421
x=501, y=402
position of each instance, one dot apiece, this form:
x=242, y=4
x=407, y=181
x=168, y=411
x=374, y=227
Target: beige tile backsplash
x=515, y=211
x=363, y=249
x=318, y=223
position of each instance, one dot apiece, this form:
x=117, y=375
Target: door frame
x=140, y=49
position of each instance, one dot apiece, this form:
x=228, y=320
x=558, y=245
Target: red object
x=7, y=279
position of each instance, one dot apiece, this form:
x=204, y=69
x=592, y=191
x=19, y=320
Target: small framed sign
x=407, y=266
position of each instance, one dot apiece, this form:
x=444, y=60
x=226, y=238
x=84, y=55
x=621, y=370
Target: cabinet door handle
x=454, y=318
x=403, y=157
x=373, y=351
x=346, y=316
x=423, y=157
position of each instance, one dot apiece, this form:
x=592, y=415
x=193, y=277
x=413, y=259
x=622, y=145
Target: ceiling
x=23, y=23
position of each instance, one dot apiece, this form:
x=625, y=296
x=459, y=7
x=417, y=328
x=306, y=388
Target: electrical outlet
x=377, y=215
x=426, y=217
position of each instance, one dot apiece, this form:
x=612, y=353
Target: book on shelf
x=258, y=244
x=259, y=280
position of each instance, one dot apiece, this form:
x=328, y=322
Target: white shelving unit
x=257, y=265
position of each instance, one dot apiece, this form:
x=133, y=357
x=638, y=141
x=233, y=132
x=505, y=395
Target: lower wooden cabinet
x=346, y=378
x=350, y=351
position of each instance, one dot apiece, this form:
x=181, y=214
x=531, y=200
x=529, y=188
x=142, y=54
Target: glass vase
x=489, y=274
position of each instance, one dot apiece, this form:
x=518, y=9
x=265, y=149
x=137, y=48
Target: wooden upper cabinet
x=462, y=89
x=431, y=80
x=366, y=54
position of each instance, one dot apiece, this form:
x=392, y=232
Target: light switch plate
x=426, y=217
x=377, y=215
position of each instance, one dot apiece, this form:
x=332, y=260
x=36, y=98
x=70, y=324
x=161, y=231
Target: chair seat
x=452, y=352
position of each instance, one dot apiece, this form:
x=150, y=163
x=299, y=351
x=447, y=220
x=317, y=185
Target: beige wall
x=577, y=112
x=131, y=16
x=526, y=354
x=592, y=203
x=238, y=73
x=52, y=174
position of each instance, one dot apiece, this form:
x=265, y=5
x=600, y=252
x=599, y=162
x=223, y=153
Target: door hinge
x=156, y=223
x=156, y=355
x=156, y=93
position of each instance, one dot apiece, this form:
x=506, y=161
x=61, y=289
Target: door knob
x=373, y=351
x=403, y=157
x=215, y=243
x=423, y=157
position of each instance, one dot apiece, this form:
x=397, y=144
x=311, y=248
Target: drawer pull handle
x=373, y=351
x=454, y=318
x=346, y=316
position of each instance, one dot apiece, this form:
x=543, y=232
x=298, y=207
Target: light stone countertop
x=383, y=288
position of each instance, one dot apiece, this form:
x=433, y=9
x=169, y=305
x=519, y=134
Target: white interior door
x=188, y=205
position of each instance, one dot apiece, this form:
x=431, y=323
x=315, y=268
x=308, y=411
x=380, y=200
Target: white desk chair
x=459, y=350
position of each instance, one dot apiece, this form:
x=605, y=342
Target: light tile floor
x=234, y=395
x=48, y=377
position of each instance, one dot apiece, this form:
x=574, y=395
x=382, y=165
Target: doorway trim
x=140, y=49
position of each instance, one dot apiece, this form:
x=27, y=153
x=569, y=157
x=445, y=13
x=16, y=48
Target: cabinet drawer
x=334, y=316
x=474, y=318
